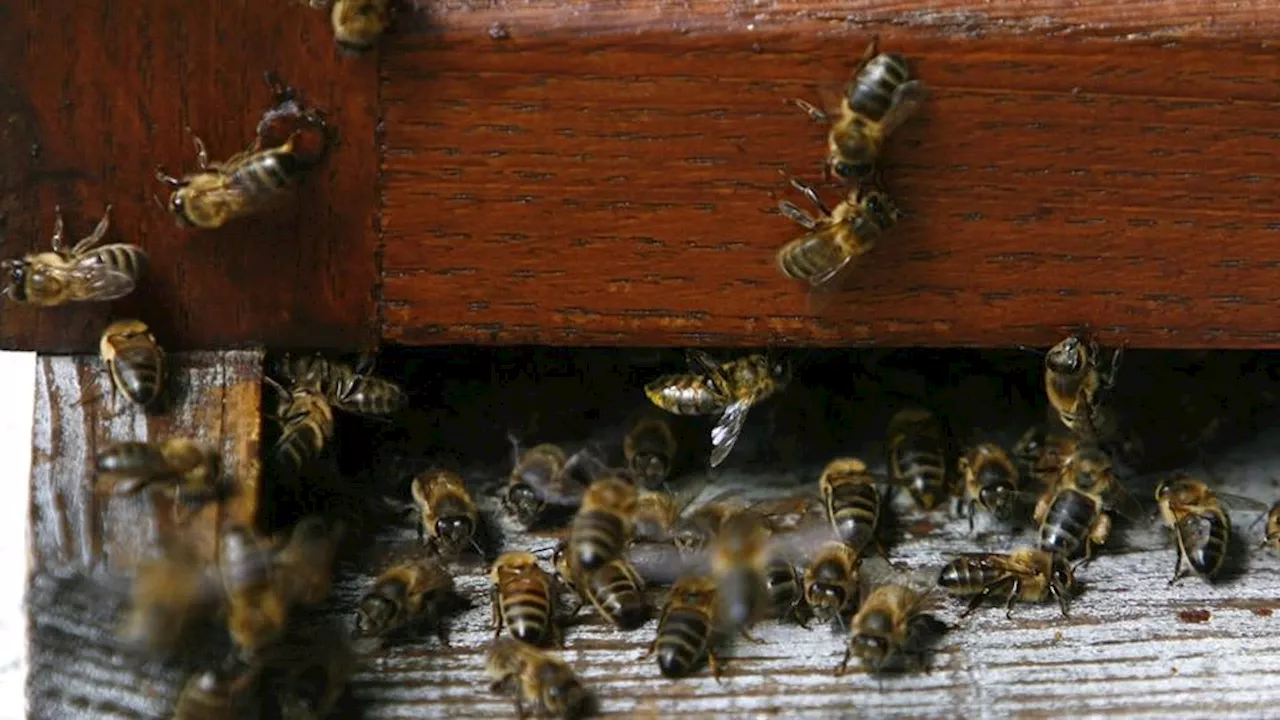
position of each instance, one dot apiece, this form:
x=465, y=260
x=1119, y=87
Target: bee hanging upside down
x=88, y=272
x=836, y=237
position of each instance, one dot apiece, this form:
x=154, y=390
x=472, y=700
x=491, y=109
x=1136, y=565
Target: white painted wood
x=17, y=402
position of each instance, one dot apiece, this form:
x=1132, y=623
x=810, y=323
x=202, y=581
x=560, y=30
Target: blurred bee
x=543, y=476
x=728, y=389
x=523, y=599
x=917, y=452
x=346, y=388
x=693, y=531
x=740, y=556
x=835, y=237
x=311, y=676
x=305, y=559
x=414, y=593
x=891, y=627
x=306, y=427
x=1272, y=537
x=1073, y=512
x=991, y=482
x=448, y=515
x=1026, y=574
x=878, y=99
x=650, y=449
x=257, y=607
x=1075, y=383
x=852, y=500
x=171, y=594
x=602, y=527
x=88, y=272
x=831, y=582
x=187, y=470
x=655, y=517
x=247, y=184
x=219, y=695
x=614, y=590
x=687, y=628
x=288, y=116
x=786, y=590
x=358, y=24
x=536, y=678
x=134, y=360
x=1200, y=526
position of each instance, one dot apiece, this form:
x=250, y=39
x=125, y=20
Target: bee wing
x=788, y=513
x=701, y=363
x=906, y=100
x=663, y=563
x=1239, y=502
x=100, y=282
x=822, y=281
x=725, y=434
x=800, y=544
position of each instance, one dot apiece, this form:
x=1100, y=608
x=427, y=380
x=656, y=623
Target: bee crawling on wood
x=523, y=599
x=991, y=482
x=134, y=360
x=543, y=478
x=726, y=389
x=221, y=693
x=184, y=468
x=347, y=388
x=615, y=590
x=1027, y=574
x=917, y=456
x=538, y=678
x=448, y=516
x=650, y=450
x=304, y=558
x=288, y=117
x=892, y=628
x=306, y=427
x=852, y=500
x=603, y=525
x=688, y=629
x=831, y=582
x=836, y=237
x=1271, y=536
x=1200, y=525
x=88, y=272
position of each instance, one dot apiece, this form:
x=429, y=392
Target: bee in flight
x=1199, y=523
x=834, y=238
x=728, y=389
x=879, y=98
x=88, y=272
x=187, y=470
x=1026, y=574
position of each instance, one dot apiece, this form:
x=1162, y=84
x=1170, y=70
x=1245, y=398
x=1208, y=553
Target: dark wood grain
x=610, y=178
x=217, y=400
x=96, y=94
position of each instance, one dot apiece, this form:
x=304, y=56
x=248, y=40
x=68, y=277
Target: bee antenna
x=1029, y=349
x=275, y=385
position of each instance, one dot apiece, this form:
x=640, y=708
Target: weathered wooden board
x=94, y=95
x=609, y=177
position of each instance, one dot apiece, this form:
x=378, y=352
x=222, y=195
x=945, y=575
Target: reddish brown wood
x=610, y=177
x=97, y=93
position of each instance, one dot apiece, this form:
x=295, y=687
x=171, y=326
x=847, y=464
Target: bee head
x=454, y=531
x=873, y=648
x=650, y=467
x=563, y=694
x=1067, y=357
x=15, y=272
x=178, y=208
x=998, y=499
x=1063, y=574
x=826, y=600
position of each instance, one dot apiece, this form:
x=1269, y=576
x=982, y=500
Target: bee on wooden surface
x=1075, y=382
x=1200, y=526
x=537, y=678
x=740, y=555
x=879, y=98
x=134, y=360
x=358, y=24
x=544, y=478
x=413, y=593
x=219, y=694
x=171, y=594
x=693, y=531
x=602, y=527
x=836, y=237
x=1073, y=512
x=917, y=452
x=311, y=676
x=257, y=607
x=655, y=517
x=523, y=599
x=687, y=630
x=729, y=389
x=249, y=183
x=88, y=272
x=650, y=449
x=831, y=582
x=1272, y=536
x=305, y=559
x=614, y=590
x=852, y=500
x=891, y=628
x=991, y=482
x=786, y=590
x=288, y=117
x=1026, y=574
x=448, y=515
x=347, y=388
x=306, y=427
x=184, y=468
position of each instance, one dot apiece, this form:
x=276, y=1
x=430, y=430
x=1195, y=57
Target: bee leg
x=844, y=663
x=168, y=180
x=495, y=610
x=1062, y=599
x=797, y=215
x=977, y=600
x=873, y=49
x=1178, y=572
x=714, y=663
x=809, y=192
x=202, y=154
x=971, y=514
x=58, y=228
x=745, y=632
x=1013, y=597
x=813, y=112
x=95, y=237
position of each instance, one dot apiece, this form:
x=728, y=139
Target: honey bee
x=740, y=555
x=614, y=590
x=523, y=599
x=602, y=527
x=693, y=531
x=1073, y=512
x=1075, y=383
x=358, y=24
x=1199, y=524
x=650, y=449
x=991, y=482
x=687, y=628
x=247, y=184
x=257, y=607
x=171, y=594
x=346, y=388
x=306, y=427
x=836, y=237
x=414, y=593
x=134, y=360
x=831, y=582
x=1272, y=537
x=448, y=515
x=186, y=469
x=785, y=589
x=313, y=675
x=878, y=99
x=219, y=694
x=891, y=627
x=88, y=272
x=543, y=476
x=536, y=678
x=729, y=389
x=655, y=517
x=852, y=499
x=305, y=559
x=917, y=451
x=1026, y=574
x=288, y=116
